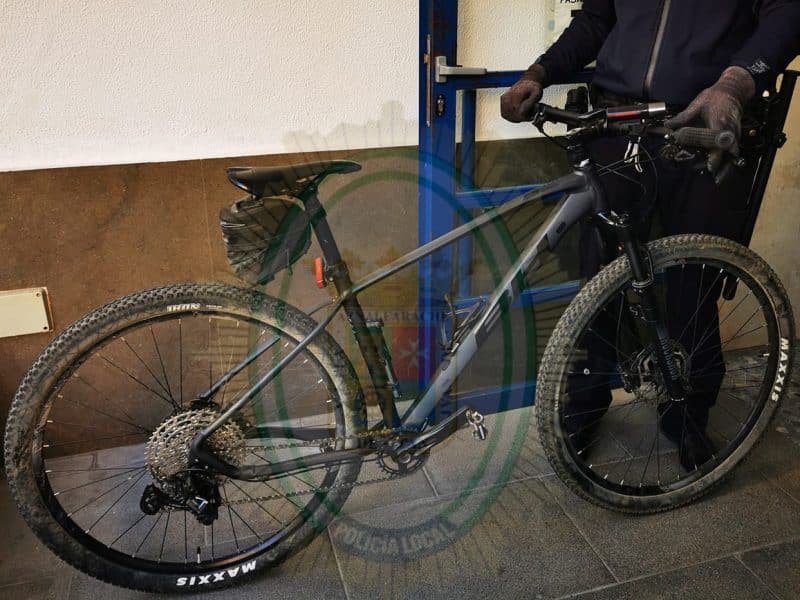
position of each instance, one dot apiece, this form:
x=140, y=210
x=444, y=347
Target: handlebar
x=706, y=139
x=640, y=119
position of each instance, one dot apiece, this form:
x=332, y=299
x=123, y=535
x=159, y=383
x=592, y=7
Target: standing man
x=711, y=57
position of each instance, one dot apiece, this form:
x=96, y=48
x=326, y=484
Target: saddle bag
x=264, y=236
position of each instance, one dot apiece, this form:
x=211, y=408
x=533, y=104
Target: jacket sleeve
x=580, y=42
x=774, y=43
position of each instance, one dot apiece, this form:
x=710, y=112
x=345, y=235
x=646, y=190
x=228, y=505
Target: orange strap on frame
x=319, y=273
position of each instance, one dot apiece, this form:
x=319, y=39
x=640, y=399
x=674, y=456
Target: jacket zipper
x=662, y=25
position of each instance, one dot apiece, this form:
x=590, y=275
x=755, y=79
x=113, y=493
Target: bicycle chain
x=330, y=442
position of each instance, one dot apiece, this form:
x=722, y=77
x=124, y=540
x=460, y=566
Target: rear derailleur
x=195, y=491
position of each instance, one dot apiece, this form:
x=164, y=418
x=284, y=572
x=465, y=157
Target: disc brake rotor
x=642, y=376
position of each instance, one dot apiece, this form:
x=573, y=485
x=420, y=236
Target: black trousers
x=681, y=200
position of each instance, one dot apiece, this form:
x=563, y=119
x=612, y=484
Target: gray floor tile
x=47, y=588
x=777, y=459
x=747, y=511
x=310, y=574
x=778, y=566
x=512, y=451
x=22, y=557
x=405, y=489
x=725, y=579
x=511, y=541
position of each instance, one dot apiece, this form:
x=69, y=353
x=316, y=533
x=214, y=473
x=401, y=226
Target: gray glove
x=517, y=104
x=719, y=107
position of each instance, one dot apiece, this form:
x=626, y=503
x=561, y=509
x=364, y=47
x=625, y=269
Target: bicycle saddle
x=291, y=179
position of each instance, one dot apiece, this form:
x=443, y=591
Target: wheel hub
x=642, y=377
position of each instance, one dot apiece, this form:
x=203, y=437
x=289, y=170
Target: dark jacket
x=670, y=50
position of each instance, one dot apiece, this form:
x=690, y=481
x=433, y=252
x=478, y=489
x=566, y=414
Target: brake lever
x=675, y=153
x=538, y=119
x=727, y=168
x=723, y=173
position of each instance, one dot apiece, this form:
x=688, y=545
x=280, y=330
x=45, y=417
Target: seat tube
x=319, y=222
x=369, y=342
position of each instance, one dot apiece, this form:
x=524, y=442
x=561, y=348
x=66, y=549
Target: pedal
x=475, y=419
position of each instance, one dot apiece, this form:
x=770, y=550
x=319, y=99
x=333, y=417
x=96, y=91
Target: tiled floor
x=485, y=521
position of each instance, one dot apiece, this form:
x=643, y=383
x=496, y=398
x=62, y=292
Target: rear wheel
x=608, y=426
x=97, y=440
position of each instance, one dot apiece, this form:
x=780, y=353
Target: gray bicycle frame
x=582, y=195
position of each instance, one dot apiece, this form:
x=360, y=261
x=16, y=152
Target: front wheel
x=96, y=446
x=608, y=425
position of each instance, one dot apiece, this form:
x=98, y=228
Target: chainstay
x=386, y=433
x=312, y=491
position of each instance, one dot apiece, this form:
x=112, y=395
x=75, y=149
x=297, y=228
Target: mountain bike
x=188, y=436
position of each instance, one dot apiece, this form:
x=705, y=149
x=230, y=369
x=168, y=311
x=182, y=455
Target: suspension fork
x=621, y=228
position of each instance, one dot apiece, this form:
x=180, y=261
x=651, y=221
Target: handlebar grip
x=707, y=139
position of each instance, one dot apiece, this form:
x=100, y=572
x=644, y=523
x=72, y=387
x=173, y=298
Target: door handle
x=443, y=70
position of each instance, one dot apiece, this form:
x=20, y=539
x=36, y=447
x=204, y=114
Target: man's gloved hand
x=719, y=107
x=516, y=105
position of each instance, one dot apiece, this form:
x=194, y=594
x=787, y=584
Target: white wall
x=89, y=82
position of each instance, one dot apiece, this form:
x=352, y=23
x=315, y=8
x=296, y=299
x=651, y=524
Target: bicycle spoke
x=185, y=539
x=246, y=524
x=699, y=303
x=180, y=365
x=147, y=535
x=734, y=417
x=228, y=363
x=164, y=537
x=680, y=290
x=93, y=500
x=710, y=329
x=106, y=511
x=259, y=372
x=121, y=535
x=161, y=362
x=121, y=467
x=212, y=541
x=147, y=368
x=230, y=517
x=140, y=382
x=658, y=449
x=85, y=426
x=609, y=344
x=100, y=439
x=610, y=408
x=277, y=520
x=286, y=403
x=109, y=401
x=83, y=485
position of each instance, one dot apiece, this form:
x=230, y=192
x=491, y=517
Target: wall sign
x=563, y=11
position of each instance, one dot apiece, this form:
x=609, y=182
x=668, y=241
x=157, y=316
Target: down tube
x=568, y=212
